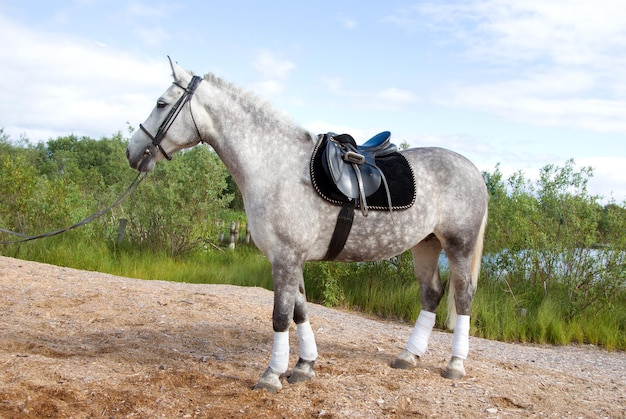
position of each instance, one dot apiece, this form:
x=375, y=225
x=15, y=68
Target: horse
x=268, y=157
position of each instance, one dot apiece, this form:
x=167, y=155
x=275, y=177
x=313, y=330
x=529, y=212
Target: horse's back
x=440, y=160
x=452, y=184
x=446, y=170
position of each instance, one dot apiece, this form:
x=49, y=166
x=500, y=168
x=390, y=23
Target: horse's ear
x=176, y=69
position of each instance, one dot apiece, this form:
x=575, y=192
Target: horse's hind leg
x=464, y=262
x=426, y=265
x=459, y=306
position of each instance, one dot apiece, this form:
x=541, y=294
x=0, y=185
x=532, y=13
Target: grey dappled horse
x=268, y=157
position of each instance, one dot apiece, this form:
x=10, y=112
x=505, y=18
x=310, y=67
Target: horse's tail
x=475, y=272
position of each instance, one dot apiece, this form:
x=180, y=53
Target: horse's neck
x=261, y=149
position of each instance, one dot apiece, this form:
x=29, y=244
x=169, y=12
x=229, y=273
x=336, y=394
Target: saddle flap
x=344, y=174
x=333, y=157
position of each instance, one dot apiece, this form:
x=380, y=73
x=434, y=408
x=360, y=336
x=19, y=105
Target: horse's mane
x=252, y=102
x=242, y=96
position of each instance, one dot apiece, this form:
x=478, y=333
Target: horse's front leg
x=289, y=304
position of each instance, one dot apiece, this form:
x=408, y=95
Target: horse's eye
x=161, y=104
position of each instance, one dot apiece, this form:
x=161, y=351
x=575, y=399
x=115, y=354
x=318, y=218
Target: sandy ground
x=85, y=344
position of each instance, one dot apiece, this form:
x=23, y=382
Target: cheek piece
x=172, y=114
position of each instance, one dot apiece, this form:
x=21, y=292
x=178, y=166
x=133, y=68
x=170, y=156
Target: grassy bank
x=387, y=289
x=244, y=267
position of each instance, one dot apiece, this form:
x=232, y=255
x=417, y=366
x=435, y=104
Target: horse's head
x=171, y=126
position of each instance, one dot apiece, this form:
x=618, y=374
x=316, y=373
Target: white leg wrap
x=460, y=342
x=306, y=340
x=418, y=341
x=280, y=352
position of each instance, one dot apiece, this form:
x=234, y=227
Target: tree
x=546, y=234
x=173, y=209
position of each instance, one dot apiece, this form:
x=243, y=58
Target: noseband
x=171, y=116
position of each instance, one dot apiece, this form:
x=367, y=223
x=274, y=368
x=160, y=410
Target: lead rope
x=140, y=176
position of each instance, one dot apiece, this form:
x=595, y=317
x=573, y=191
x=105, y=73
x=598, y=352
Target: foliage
x=47, y=186
x=554, y=269
x=175, y=207
x=31, y=202
x=552, y=235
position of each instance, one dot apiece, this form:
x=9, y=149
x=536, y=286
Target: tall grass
x=387, y=289
x=359, y=287
x=245, y=267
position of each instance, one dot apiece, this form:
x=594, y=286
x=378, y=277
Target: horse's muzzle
x=143, y=162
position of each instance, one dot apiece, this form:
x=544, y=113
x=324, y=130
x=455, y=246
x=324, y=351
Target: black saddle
x=372, y=176
x=353, y=168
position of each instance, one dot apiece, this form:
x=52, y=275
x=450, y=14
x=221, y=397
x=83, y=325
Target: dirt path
x=85, y=344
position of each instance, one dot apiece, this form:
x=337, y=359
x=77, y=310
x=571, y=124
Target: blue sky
x=522, y=83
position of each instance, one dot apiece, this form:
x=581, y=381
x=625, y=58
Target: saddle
x=370, y=176
x=353, y=168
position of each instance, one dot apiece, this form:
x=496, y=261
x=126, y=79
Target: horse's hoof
x=405, y=361
x=303, y=371
x=455, y=369
x=270, y=381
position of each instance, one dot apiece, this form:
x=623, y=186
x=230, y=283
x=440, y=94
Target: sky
x=516, y=83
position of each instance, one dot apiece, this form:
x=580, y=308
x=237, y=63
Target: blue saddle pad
x=395, y=167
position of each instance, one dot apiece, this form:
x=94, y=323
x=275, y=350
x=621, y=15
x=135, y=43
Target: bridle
x=171, y=116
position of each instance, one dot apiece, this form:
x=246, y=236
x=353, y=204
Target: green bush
x=53, y=185
x=554, y=269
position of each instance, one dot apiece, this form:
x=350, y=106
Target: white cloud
x=609, y=177
x=564, y=31
x=145, y=21
x=274, y=70
x=391, y=98
x=333, y=84
x=272, y=66
x=395, y=97
x=554, y=62
x=153, y=35
x=268, y=88
x=58, y=85
x=522, y=101
x=348, y=23
x=152, y=11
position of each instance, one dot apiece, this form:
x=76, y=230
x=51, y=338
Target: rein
x=171, y=116
x=128, y=191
